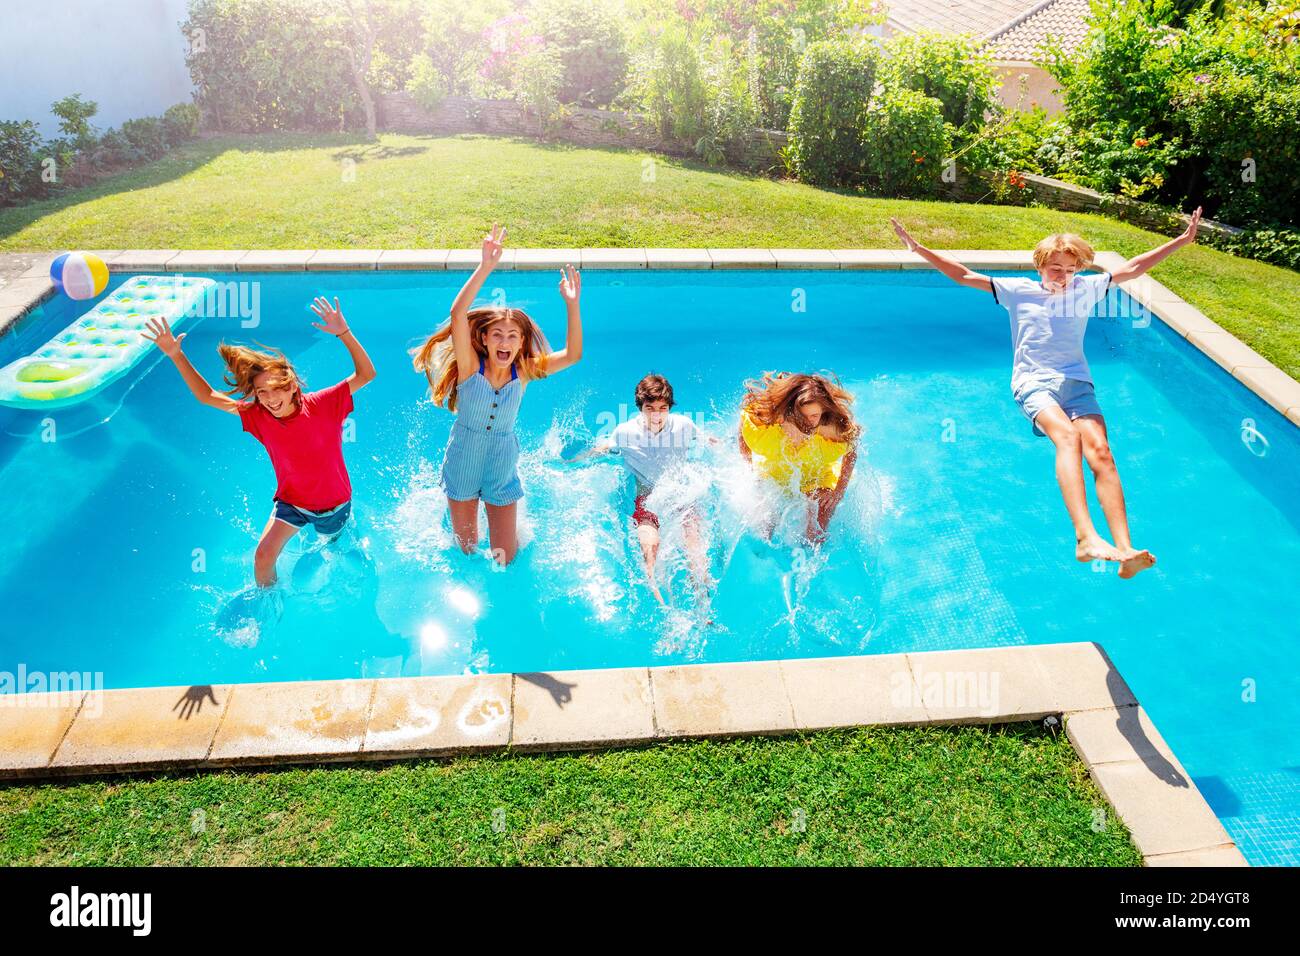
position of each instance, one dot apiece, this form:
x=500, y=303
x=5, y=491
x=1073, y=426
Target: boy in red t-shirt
x=302, y=432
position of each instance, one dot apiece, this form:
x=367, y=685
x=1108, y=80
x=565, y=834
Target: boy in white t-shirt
x=1050, y=380
x=652, y=444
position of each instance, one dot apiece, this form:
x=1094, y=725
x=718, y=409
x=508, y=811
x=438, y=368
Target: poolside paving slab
x=319, y=720
x=152, y=728
x=678, y=259
x=805, y=259
x=868, y=258
x=431, y=716
x=546, y=258
x=32, y=732
x=344, y=260
x=206, y=260
x=415, y=259
x=983, y=685
x=582, y=709
x=275, y=260
x=720, y=700
x=1183, y=318
x=1082, y=677
x=26, y=294
x=1228, y=351
x=142, y=260
x=1227, y=855
x=742, y=258
x=1272, y=385
x=1165, y=813
x=1116, y=734
x=832, y=692
x=613, y=258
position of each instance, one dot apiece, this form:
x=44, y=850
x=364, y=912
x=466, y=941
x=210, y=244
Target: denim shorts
x=325, y=522
x=1073, y=396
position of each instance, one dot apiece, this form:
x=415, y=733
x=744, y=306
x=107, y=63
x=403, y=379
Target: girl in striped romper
x=478, y=366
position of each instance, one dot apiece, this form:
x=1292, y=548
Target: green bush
x=828, y=115
x=949, y=68
x=20, y=161
x=452, y=47
x=147, y=138
x=1170, y=113
x=588, y=39
x=268, y=65
x=906, y=142
x=180, y=123
x=1250, y=173
x=74, y=115
x=667, y=81
x=1281, y=247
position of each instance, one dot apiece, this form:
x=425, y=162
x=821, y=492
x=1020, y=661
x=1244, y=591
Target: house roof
x=1014, y=30
x=1065, y=21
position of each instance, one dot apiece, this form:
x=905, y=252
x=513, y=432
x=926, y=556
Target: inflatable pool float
x=102, y=345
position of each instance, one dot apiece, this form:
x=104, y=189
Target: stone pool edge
x=1239, y=360
x=381, y=719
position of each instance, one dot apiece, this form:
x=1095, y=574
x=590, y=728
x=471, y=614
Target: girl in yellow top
x=798, y=431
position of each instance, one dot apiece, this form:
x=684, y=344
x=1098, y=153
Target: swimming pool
x=131, y=539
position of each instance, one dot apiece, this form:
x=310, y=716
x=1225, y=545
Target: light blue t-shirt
x=1047, y=328
x=649, y=454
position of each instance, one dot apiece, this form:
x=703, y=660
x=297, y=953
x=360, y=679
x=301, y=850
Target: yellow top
x=816, y=461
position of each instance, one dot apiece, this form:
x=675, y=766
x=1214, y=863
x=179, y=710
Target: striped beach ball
x=79, y=275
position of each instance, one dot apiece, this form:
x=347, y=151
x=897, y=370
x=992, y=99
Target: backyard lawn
x=312, y=191
x=915, y=796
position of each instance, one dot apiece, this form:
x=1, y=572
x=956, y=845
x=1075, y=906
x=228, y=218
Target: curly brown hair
x=778, y=396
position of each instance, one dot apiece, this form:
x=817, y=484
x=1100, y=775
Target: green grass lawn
x=290, y=191
x=970, y=795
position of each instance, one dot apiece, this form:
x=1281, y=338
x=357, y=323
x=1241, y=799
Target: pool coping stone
x=375, y=719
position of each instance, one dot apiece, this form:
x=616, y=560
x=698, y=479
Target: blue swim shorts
x=1073, y=396
x=325, y=522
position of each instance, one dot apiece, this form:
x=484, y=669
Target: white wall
x=126, y=55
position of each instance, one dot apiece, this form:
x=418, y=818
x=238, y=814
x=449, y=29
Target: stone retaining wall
x=759, y=151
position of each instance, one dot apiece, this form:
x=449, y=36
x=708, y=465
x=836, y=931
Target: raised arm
x=1140, y=264
x=949, y=266
x=332, y=321
x=160, y=334
x=466, y=357
x=571, y=292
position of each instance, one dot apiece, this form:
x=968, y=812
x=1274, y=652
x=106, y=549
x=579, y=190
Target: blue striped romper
x=483, y=451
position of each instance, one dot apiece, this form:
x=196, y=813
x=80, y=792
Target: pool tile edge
x=373, y=719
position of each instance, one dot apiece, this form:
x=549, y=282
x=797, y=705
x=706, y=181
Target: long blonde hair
x=776, y=398
x=436, y=358
x=243, y=365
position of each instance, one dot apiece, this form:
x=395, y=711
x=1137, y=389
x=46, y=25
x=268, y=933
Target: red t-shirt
x=306, y=448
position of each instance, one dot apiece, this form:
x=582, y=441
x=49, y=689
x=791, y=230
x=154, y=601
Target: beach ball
x=79, y=275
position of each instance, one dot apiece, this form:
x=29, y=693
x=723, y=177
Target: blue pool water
x=130, y=539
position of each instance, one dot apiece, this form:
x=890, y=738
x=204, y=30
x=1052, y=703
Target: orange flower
x=1139, y=143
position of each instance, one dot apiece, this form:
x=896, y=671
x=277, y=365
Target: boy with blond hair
x=1050, y=380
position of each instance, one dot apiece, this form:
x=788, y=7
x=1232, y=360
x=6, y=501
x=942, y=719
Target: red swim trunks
x=641, y=515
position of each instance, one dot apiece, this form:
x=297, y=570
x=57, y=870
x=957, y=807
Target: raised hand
x=160, y=334
x=570, y=285
x=332, y=320
x=494, y=245
x=1189, y=234
x=903, y=234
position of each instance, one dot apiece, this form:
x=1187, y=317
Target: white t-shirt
x=649, y=454
x=1047, y=328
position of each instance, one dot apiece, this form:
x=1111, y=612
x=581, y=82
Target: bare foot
x=1096, y=548
x=1132, y=561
